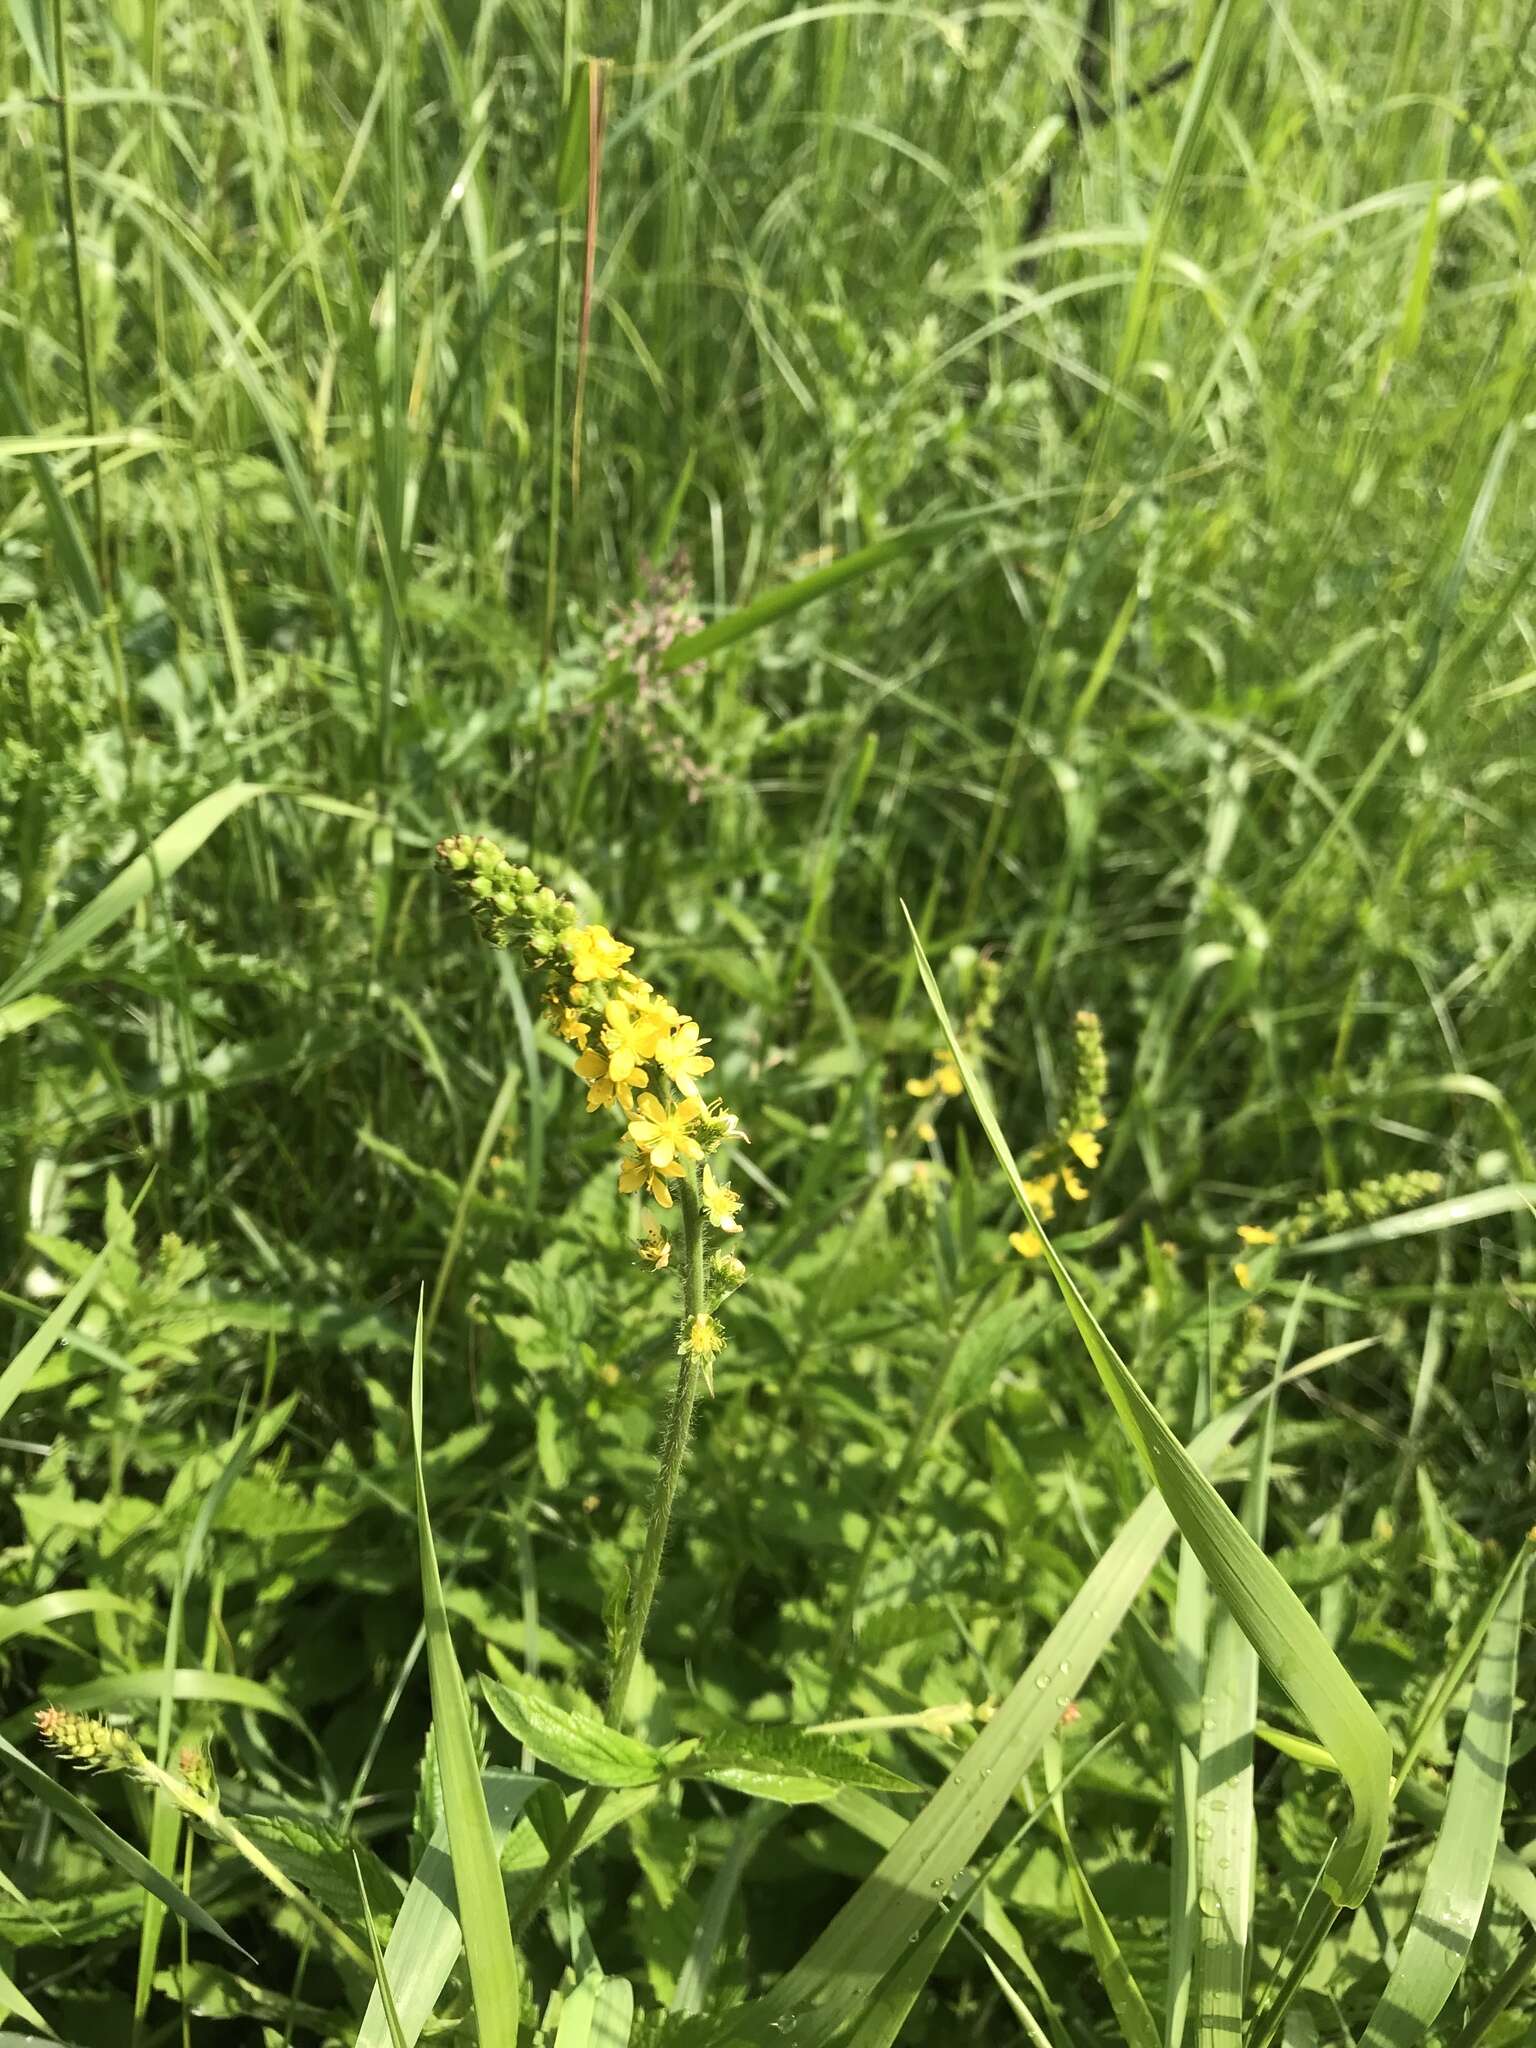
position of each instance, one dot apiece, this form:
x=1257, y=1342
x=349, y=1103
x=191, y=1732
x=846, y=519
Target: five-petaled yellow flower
x=1042, y=1196
x=639, y=1175
x=596, y=955
x=1087, y=1148
x=631, y=1038
x=1254, y=1233
x=603, y=1089
x=662, y=1134
x=1026, y=1243
x=720, y=1204
x=679, y=1057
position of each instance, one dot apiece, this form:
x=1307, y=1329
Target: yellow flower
x=922, y=1088
x=573, y=1027
x=927, y=1131
x=1041, y=1195
x=596, y=955
x=1253, y=1233
x=1026, y=1243
x=720, y=1204
x=656, y=1248
x=1073, y=1185
x=662, y=1134
x=604, y=1090
x=1087, y=1148
x=639, y=1175
x=947, y=1075
x=679, y=1057
x=1242, y=1274
x=703, y=1342
x=631, y=1039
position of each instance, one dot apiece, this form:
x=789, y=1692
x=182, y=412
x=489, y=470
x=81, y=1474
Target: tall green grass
x=1100, y=447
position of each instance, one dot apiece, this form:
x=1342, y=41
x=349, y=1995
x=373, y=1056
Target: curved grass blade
x=38, y=1349
x=176, y=844
x=785, y=598
x=380, y=1975
x=426, y=1940
x=77, y=1815
x=14, y=2000
x=1269, y=1613
x=493, y=1970
x=827, y=1988
x=1434, y=1950
x=599, y=2013
x=1224, y=1841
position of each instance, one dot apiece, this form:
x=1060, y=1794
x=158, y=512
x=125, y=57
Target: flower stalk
x=642, y=1057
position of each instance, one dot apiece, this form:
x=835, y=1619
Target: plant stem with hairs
x=669, y=1467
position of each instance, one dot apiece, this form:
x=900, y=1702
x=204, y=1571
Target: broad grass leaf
x=1288, y=1640
x=785, y=598
x=1434, y=1950
x=582, y=1748
x=39, y=1347
x=426, y=1940
x=164, y=855
x=14, y=2000
x=493, y=1970
x=831, y=1981
x=599, y=2013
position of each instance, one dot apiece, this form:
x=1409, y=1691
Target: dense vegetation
x=1065, y=479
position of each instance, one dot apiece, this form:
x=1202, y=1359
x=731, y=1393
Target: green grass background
x=1215, y=717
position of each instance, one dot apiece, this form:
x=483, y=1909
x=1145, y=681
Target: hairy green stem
x=669, y=1468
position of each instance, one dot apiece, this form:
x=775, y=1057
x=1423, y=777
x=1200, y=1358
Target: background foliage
x=1212, y=714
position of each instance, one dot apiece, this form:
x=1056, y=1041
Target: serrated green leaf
x=789, y=1766
x=582, y=1748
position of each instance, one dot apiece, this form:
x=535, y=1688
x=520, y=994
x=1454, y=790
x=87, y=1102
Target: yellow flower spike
x=679, y=1056
x=1086, y=1147
x=662, y=1134
x=720, y=1204
x=1073, y=1185
x=1253, y=1233
x=596, y=955
x=631, y=1038
x=656, y=1248
x=639, y=1175
x=1026, y=1243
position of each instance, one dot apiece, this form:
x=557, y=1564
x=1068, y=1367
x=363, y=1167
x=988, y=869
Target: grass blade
x=785, y=598
x=1224, y=1828
x=1434, y=1950
x=426, y=1940
x=827, y=1988
x=77, y=1815
x=131, y=884
x=1266, y=1609
x=38, y=1349
x=493, y=1971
